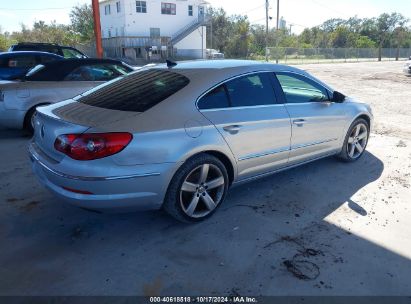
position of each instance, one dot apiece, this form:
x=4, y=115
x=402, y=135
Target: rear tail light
x=89, y=146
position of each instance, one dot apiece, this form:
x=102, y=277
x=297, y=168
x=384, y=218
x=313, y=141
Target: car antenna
x=171, y=64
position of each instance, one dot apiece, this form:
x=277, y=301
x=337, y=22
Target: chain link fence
x=330, y=55
x=282, y=55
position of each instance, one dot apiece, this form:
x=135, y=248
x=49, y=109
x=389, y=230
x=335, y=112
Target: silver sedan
x=177, y=136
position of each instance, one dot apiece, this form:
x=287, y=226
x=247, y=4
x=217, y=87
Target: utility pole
x=291, y=26
x=97, y=28
x=266, y=30
x=278, y=27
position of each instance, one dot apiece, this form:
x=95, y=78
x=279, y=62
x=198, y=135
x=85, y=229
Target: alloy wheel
x=357, y=141
x=202, y=190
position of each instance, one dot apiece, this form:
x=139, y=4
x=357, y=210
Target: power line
x=34, y=9
x=327, y=7
x=251, y=10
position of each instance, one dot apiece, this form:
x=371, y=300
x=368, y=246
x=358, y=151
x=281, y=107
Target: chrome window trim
x=329, y=90
x=242, y=107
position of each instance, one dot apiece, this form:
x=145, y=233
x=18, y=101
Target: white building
x=153, y=29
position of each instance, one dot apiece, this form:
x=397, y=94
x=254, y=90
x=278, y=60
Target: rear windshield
x=137, y=92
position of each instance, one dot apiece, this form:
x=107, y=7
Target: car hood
x=81, y=114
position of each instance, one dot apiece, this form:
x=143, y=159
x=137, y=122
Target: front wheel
x=355, y=141
x=197, y=189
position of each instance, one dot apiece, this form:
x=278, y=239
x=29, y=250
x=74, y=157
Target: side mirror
x=338, y=97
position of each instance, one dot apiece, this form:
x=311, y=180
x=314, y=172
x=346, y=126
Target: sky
x=299, y=13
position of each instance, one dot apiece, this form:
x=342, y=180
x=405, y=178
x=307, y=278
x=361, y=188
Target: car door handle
x=232, y=129
x=299, y=122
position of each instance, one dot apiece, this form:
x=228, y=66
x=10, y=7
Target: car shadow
x=269, y=238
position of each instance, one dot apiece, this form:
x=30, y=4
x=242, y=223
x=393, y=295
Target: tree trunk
x=379, y=52
x=397, y=55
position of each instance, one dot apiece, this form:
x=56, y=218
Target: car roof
x=203, y=73
x=22, y=53
x=58, y=69
x=227, y=67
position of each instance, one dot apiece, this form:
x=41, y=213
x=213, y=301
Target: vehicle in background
x=52, y=82
x=65, y=51
x=407, y=67
x=214, y=54
x=15, y=65
x=177, y=136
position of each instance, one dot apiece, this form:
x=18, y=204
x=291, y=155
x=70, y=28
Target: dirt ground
x=326, y=228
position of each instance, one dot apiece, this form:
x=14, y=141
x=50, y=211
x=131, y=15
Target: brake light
x=89, y=146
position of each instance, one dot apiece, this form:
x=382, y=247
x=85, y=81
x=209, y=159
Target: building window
x=154, y=32
x=107, y=9
x=168, y=8
x=118, y=5
x=141, y=6
x=109, y=33
x=190, y=10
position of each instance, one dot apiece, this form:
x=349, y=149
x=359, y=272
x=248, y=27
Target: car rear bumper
x=138, y=191
x=11, y=118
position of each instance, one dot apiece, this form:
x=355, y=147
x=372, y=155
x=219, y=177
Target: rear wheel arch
x=29, y=114
x=228, y=162
x=225, y=160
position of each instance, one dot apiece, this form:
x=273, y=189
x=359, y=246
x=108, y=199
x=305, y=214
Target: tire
x=204, y=177
x=348, y=153
x=28, y=125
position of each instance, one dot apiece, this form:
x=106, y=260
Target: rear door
x=256, y=128
x=317, y=123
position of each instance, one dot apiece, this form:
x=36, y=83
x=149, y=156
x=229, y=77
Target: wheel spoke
x=204, y=173
x=357, y=130
x=351, y=153
x=362, y=135
x=359, y=147
x=189, y=187
x=193, y=205
x=215, y=183
x=350, y=140
x=208, y=201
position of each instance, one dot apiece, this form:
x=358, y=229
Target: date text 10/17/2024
x=231, y=299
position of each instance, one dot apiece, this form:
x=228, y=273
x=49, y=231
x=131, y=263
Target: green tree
x=82, y=22
x=386, y=24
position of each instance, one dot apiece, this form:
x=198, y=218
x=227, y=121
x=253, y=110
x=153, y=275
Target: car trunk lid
x=70, y=117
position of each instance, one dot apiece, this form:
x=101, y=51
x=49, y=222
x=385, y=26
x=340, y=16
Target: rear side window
x=137, y=92
x=216, y=99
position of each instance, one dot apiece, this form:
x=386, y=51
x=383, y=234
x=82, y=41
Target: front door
x=256, y=128
x=317, y=123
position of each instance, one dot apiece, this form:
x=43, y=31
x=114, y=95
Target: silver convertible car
x=177, y=136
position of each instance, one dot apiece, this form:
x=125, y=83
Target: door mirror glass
x=338, y=97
